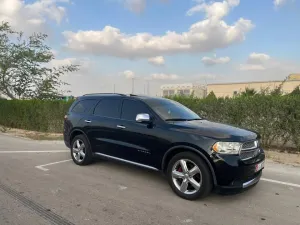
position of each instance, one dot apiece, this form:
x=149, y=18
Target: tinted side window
x=84, y=106
x=108, y=108
x=131, y=108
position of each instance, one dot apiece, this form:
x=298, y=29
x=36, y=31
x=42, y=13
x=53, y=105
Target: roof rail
x=104, y=94
x=133, y=95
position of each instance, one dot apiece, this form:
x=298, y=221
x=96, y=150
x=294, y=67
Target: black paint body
x=153, y=144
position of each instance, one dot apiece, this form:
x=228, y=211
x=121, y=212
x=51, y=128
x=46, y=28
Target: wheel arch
x=75, y=132
x=182, y=148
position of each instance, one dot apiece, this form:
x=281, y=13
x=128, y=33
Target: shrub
x=35, y=115
x=275, y=117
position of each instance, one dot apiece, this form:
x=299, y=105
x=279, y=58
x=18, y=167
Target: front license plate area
x=259, y=166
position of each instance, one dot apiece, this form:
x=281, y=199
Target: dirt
x=283, y=157
x=33, y=134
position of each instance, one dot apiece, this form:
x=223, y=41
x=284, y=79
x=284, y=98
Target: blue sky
x=235, y=40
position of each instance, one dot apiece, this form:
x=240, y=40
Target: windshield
x=170, y=110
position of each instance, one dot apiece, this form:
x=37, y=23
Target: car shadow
x=160, y=181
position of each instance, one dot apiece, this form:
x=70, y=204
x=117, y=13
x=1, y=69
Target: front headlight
x=232, y=148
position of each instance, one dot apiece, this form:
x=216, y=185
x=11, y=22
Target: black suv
x=196, y=155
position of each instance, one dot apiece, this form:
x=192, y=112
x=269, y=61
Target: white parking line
x=280, y=182
x=42, y=167
x=46, y=151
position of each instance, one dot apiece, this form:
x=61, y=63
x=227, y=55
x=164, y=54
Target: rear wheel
x=189, y=176
x=81, y=151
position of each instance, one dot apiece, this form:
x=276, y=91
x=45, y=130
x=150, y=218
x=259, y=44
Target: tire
x=202, y=176
x=78, y=157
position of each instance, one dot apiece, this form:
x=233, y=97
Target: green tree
x=248, y=92
x=296, y=91
x=211, y=95
x=24, y=66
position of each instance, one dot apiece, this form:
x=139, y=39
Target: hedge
x=276, y=118
x=35, y=115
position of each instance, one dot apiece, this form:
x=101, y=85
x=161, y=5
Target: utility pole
x=132, y=86
x=148, y=90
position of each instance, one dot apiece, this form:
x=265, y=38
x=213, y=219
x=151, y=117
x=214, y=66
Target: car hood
x=217, y=131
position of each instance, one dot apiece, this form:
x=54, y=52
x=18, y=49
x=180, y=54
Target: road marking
x=42, y=167
x=122, y=188
x=46, y=151
x=281, y=182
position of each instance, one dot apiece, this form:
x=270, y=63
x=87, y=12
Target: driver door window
x=131, y=108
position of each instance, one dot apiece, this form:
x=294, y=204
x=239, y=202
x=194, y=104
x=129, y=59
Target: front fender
x=199, y=152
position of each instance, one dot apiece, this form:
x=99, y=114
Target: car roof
x=109, y=95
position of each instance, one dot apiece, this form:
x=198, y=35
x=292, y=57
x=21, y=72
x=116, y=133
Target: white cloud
x=204, y=36
x=32, y=16
x=257, y=61
x=279, y=3
x=162, y=76
x=262, y=61
x=258, y=58
x=136, y=6
x=129, y=74
x=214, y=9
x=211, y=61
x=157, y=61
x=68, y=61
x=248, y=67
x=85, y=64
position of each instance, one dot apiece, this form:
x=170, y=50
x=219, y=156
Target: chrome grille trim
x=249, y=150
x=245, y=155
x=250, y=145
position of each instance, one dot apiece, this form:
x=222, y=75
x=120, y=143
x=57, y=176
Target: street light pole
x=132, y=86
x=148, y=88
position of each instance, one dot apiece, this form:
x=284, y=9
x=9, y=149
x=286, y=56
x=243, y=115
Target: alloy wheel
x=79, y=150
x=186, y=176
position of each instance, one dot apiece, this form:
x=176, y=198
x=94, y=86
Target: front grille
x=250, y=150
x=249, y=154
x=250, y=145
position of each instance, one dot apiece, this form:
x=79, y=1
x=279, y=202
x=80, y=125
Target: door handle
x=121, y=127
x=88, y=121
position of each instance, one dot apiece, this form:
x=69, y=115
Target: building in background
x=65, y=98
x=232, y=89
x=183, y=89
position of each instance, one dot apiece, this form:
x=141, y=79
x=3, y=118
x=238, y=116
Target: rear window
x=84, y=106
x=108, y=108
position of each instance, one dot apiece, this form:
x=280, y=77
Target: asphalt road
x=34, y=193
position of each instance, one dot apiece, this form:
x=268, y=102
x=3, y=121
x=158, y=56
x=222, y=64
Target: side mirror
x=143, y=118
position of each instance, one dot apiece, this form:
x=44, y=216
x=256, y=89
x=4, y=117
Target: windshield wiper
x=181, y=119
x=195, y=119
x=176, y=119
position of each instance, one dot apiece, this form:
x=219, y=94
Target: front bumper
x=234, y=173
x=252, y=181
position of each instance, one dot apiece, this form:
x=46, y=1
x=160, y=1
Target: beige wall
x=198, y=92
x=223, y=90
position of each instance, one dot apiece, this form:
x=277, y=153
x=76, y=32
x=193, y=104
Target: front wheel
x=189, y=176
